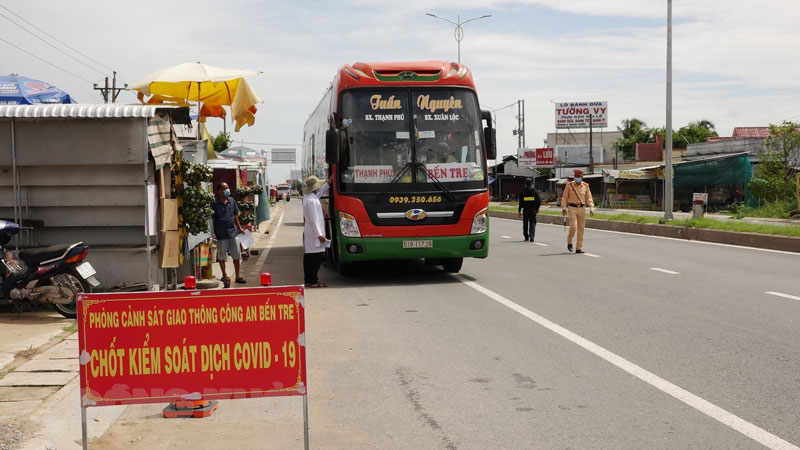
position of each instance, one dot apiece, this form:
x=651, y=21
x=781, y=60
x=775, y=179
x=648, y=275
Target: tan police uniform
x=574, y=200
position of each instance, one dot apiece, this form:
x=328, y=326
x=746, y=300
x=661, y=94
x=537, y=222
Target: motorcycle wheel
x=73, y=281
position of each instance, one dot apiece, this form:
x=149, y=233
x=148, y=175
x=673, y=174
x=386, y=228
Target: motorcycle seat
x=33, y=256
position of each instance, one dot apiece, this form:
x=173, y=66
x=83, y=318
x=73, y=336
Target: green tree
x=784, y=142
x=775, y=171
x=692, y=133
x=634, y=131
x=222, y=141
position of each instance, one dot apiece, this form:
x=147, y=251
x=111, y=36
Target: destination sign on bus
x=448, y=171
x=372, y=174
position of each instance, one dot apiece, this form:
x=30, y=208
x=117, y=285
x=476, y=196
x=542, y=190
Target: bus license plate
x=418, y=244
x=85, y=270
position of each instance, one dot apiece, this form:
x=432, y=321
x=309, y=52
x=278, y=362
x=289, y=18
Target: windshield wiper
x=436, y=182
x=396, y=178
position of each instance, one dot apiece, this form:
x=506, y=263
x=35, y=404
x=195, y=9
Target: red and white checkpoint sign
x=159, y=347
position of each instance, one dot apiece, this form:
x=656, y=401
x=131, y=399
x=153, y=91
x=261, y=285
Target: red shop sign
x=544, y=157
x=159, y=347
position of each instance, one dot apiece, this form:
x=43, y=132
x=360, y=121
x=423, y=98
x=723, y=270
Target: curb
x=771, y=242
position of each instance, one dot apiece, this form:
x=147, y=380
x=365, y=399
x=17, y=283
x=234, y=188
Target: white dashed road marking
x=782, y=295
x=592, y=255
x=540, y=244
x=664, y=270
x=506, y=237
x=733, y=421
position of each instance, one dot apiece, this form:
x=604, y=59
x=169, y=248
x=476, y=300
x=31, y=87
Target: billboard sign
x=544, y=157
x=284, y=155
x=526, y=157
x=577, y=114
x=159, y=347
x=540, y=157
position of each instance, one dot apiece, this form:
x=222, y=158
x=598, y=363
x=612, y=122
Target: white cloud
x=734, y=61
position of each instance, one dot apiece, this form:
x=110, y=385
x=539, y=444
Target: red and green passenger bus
x=408, y=145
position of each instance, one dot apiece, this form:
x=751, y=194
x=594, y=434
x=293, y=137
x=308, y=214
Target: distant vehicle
x=294, y=193
x=283, y=192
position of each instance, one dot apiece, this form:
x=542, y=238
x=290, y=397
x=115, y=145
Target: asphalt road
x=641, y=343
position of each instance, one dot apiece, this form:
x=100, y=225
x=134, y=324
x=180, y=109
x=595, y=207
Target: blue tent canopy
x=17, y=90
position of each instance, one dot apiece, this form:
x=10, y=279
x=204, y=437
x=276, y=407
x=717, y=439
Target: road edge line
x=704, y=406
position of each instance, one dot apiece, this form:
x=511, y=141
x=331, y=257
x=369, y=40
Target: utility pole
x=520, y=131
x=591, y=151
x=668, y=194
x=113, y=90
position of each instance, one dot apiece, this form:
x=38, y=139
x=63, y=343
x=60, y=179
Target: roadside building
x=509, y=179
x=572, y=148
x=90, y=173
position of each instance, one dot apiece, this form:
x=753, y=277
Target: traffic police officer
x=577, y=197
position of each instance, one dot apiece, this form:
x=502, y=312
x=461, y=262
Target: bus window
x=378, y=145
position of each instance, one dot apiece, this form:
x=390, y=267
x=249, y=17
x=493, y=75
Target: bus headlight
x=480, y=222
x=348, y=225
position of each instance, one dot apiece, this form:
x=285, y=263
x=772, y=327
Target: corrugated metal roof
x=78, y=110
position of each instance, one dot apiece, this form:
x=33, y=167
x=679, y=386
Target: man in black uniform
x=529, y=203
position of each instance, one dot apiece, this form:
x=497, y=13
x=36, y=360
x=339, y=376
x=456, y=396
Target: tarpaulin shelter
x=724, y=178
x=18, y=90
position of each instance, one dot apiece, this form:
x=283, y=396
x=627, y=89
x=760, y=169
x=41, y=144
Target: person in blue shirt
x=226, y=227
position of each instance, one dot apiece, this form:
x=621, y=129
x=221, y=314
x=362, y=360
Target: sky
x=734, y=61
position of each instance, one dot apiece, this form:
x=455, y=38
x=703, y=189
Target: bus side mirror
x=491, y=143
x=331, y=146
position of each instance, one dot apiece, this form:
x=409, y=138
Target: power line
x=44, y=61
x=58, y=40
x=51, y=45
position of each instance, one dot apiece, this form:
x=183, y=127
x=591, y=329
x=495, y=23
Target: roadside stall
x=89, y=173
x=632, y=188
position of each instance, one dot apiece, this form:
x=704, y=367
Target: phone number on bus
x=415, y=199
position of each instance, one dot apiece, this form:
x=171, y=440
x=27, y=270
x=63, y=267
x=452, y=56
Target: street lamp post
x=668, y=193
x=459, y=28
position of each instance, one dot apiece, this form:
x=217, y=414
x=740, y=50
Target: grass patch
x=788, y=230
x=506, y=208
x=712, y=224
x=625, y=217
x=27, y=353
x=73, y=327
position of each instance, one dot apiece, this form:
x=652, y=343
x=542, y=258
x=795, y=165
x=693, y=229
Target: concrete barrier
x=769, y=241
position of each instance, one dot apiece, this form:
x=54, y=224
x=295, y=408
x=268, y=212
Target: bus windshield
x=411, y=136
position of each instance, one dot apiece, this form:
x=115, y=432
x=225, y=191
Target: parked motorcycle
x=56, y=274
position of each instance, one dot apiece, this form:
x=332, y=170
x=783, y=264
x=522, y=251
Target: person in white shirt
x=313, y=229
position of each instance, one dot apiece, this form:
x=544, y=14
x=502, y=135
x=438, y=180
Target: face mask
x=227, y=192
x=578, y=180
